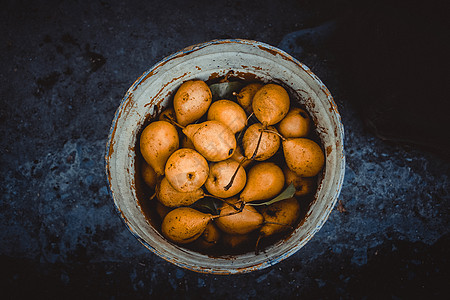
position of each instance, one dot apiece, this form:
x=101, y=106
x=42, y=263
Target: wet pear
x=184, y=224
x=186, y=170
x=242, y=222
x=212, y=139
x=170, y=197
x=268, y=145
x=220, y=174
x=265, y=180
x=296, y=123
x=271, y=104
x=303, y=185
x=157, y=142
x=303, y=156
x=245, y=96
x=191, y=101
x=229, y=113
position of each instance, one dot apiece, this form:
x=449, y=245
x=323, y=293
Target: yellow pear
x=209, y=238
x=303, y=185
x=170, y=197
x=265, y=180
x=280, y=216
x=191, y=101
x=268, y=145
x=242, y=222
x=157, y=142
x=220, y=174
x=186, y=170
x=271, y=104
x=238, y=156
x=229, y=113
x=167, y=114
x=296, y=123
x=212, y=139
x=184, y=224
x=303, y=156
x=245, y=96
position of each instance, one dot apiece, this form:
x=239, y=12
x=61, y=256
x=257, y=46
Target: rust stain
x=161, y=90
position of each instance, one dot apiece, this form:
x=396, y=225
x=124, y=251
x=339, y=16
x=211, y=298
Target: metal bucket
x=249, y=60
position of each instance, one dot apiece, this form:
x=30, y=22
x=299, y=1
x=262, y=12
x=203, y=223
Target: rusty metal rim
x=188, y=50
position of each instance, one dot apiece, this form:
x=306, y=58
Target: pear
x=157, y=142
x=296, y=123
x=162, y=210
x=238, y=156
x=265, y=180
x=229, y=113
x=184, y=224
x=268, y=144
x=303, y=185
x=220, y=174
x=234, y=241
x=212, y=139
x=271, y=104
x=186, y=142
x=170, y=197
x=209, y=238
x=303, y=156
x=186, y=170
x=191, y=101
x=245, y=96
x=280, y=216
x=167, y=114
x=148, y=175
x=238, y=222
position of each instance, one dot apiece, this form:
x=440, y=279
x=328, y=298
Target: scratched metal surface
x=64, y=68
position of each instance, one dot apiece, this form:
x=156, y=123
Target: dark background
x=65, y=66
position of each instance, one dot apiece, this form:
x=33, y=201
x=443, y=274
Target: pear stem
x=249, y=116
x=229, y=214
x=227, y=187
x=274, y=132
x=257, y=146
x=223, y=200
x=173, y=122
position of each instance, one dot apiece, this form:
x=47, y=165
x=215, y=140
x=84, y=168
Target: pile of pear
x=199, y=148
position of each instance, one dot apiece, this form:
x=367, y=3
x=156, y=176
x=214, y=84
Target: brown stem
x=223, y=200
x=249, y=116
x=274, y=132
x=228, y=214
x=171, y=120
x=257, y=146
x=227, y=187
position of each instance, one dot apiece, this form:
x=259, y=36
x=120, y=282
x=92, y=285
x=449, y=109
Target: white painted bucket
x=153, y=90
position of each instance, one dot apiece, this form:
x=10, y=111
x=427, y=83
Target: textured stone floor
x=64, y=67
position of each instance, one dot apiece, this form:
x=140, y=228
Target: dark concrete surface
x=64, y=67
